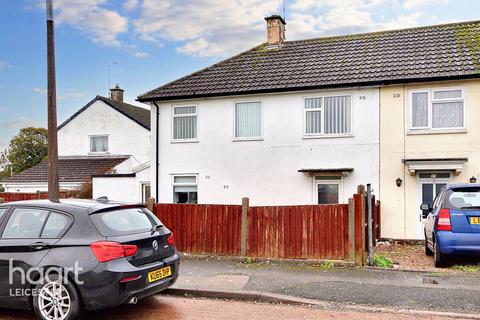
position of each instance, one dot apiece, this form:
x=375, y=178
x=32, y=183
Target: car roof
x=463, y=185
x=77, y=205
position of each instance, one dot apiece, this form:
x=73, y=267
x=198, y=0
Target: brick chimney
x=275, y=30
x=116, y=93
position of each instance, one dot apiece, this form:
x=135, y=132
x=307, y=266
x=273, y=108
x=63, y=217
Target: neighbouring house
x=106, y=142
x=305, y=122
x=429, y=124
x=284, y=123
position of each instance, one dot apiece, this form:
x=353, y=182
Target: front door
x=429, y=185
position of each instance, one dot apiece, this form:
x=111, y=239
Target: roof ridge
x=139, y=98
x=385, y=31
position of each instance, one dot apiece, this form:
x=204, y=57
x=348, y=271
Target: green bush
x=382, y=261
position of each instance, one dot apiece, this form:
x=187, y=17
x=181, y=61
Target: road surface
x=179, y=308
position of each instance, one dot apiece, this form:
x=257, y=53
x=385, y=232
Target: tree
x=25, y=150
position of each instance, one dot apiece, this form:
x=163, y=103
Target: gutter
x=157, y=115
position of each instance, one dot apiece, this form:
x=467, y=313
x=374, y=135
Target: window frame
x=98, y=135
x=322, y=109
x=316, y=182
x=173, y=116
x=144, y=184
x=188, y=184
x=431, y=92
x=258, y=138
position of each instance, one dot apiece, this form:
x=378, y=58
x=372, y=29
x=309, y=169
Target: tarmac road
x=180, y=308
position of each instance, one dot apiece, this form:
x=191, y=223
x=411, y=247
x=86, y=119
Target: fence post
x=151, y=204
x=244, y=230
x=351, y=229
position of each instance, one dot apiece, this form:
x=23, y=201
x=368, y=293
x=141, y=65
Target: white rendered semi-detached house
x=240, y=128
x=107, y=141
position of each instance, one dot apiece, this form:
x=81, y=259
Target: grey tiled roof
x=416, y=54
x=137, y=114
x=70, y=169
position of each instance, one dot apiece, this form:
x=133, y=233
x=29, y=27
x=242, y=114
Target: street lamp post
x=53, y=184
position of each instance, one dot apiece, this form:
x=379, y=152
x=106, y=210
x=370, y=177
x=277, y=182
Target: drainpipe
x=157, y=115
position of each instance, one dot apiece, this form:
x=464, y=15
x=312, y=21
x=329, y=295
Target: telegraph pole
x=53, y=187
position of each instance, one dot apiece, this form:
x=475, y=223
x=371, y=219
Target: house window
x=185, y=123
x=327, y=189
x=328, y=115
x=146, y=192
x=185, y=189
x=99, y=143
x=248, y=120
x=437, y=109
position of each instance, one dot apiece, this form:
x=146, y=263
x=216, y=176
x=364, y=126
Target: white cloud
x=39, y=90
x=130, y=5
x=222, y=28
x=140, y=54
x=214, y=27
x=411, y=4
x=102, y=25
x=19, y=122
x=5, y=65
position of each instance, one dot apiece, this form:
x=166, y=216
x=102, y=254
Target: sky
x=147, y=43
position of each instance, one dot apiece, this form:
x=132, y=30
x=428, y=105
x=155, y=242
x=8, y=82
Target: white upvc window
x=184, y=123
x=437, y=109
x=98, y=143
x=328, y=116
x=185, y=189
x=327, y=189
x=248, y=120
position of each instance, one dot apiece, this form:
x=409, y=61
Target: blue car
x=453, y=223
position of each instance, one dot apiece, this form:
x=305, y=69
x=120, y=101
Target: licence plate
x=474, y=220
x=159, y=274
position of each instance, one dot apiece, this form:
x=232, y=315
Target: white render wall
x=126, y=137
x=266, y=171
x=127, y=189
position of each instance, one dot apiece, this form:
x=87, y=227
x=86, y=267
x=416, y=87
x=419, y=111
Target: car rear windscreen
x=464, y=198
x=124, y=221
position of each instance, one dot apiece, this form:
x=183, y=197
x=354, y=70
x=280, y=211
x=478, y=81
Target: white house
x=239, y=129
x=107, y=141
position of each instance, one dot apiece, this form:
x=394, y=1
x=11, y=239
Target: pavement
x=180, y=308
x=357, y=289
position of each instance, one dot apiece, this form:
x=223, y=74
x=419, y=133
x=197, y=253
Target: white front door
x=429, y=185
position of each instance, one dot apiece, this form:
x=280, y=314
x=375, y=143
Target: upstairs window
x=185, y=123
x=248, y=120
x=328, y=116
x=99, y=143
x=437, y=109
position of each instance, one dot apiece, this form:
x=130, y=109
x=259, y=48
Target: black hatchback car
x=61, y=258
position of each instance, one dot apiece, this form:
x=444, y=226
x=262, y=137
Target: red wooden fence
x=212, y=229
x=298, y=232
x=13, y=196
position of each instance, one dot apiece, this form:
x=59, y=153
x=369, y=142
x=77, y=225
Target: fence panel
x=298, y=232
x=17, y=196
x=203, y=229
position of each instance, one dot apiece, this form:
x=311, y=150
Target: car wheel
x=438, y=256
x=428, y=252
x=56, y=300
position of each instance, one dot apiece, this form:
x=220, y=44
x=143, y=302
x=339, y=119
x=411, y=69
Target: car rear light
x=106, y=251
x=130, y=279
x=444, y=223
x=171, y=240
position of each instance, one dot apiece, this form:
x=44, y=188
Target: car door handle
x=39, y=245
